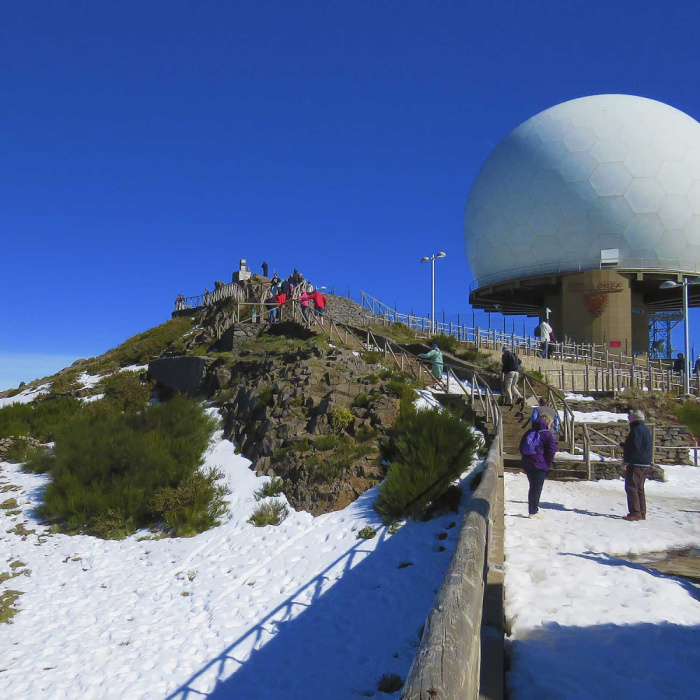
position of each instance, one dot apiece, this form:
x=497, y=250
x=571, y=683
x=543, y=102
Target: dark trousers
x=634, y=486
x=536, y=478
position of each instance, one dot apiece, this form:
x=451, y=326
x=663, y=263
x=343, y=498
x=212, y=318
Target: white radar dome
x=596, y=173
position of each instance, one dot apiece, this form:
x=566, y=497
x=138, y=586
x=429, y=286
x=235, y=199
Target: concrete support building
x=585, y=209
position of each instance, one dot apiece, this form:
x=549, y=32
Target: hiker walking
x=320, y=303
x=264, y=268
x=281, y=300
x=544, y=410
x=537, y=447
x=436, y=356
x=636, y=461
x=304, y=300
x=510, y=366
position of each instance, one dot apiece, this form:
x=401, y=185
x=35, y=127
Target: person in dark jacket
x=537, y=465
x=636, y=460
x=679, y=363
x=510, y=366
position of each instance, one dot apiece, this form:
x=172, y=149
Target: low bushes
x=426, y=451
x=113, y=472
x=446, y=343
x=127, y=390
x=38, y=419
x=688, y=413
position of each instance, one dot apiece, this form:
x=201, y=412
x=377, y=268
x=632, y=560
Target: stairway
x=515, y=422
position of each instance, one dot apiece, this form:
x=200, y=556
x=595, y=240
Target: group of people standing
x=296, y=288
x=538, y=447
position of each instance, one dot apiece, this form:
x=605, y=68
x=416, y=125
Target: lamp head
x=441, y=255
x=425, y=259
x=669, y=284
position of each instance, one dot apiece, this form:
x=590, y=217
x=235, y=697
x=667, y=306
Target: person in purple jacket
x=537, y=447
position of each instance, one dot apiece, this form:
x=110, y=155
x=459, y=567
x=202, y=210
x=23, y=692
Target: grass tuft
x=366, y=533
x=269, y=513
x=390, y=683
x=269, y=489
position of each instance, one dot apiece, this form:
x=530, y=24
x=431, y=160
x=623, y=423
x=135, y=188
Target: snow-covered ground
x=596, y=416
x=302, y=610
x=586, y=623
x=26, y=396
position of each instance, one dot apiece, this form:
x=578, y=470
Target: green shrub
x=38, y=419
x=390, y=683
x=426, y=451
x=372, y=378
x=38, y=462
x=19, y=451
x=109, y=465
x=446, y=343
x=366, y=533
x=266, y=397
x=362, y=401
x=14, y=392
x=225, y=395
x=269, y=489
x=403, y=388
x=372, y=357
x=363, y=433
x=688, y=413
x=127, y=390
x=303, y=445
x=341, y=418
x=194, y=505
x=269, y=513
x=198, y=351
x=342, y=458
x=65, y=383
x=280, y=453
x=326, y=442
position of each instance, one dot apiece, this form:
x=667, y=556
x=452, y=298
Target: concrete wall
x=184, y=374
x=449, y=656
x=591, y=317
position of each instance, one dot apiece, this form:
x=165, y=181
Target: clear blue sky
x=147, y=146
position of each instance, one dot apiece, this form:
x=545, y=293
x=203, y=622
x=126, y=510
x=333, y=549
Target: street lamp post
x=431, y=259
x=670, y=284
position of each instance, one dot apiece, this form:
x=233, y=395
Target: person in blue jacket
x=537, y=447
x=636, y=461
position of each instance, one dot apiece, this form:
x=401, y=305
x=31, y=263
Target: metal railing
x=604, y=370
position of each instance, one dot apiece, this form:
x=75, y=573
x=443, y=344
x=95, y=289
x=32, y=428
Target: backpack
x=531, y=443
x=537, y=332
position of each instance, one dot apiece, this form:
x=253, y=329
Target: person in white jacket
x=545, y=330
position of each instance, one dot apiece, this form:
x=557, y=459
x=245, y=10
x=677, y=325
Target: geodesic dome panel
x=599, y=172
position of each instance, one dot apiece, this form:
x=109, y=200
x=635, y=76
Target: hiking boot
x=632, y=518
x=536, y=516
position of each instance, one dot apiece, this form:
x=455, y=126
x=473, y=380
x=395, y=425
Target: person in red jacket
x=281, y=300
x=320, y=303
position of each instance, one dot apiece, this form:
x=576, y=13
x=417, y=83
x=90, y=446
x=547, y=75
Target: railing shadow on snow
x=364, y=612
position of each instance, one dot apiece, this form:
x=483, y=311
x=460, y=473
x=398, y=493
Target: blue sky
x=146, y=146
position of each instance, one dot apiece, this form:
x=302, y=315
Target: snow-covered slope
x=303, y=610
